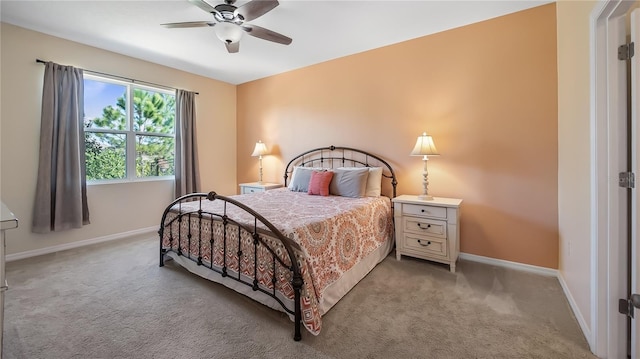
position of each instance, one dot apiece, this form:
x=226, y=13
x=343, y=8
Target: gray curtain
x=186, y=160
x=61, y=192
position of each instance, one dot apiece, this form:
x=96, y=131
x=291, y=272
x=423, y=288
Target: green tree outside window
x=153, y=125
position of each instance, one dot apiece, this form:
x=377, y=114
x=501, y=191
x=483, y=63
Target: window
x=129, y=130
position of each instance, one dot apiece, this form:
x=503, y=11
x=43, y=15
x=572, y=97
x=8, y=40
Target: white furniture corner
x=428, y=229
x=7, y=221
x=255, y=187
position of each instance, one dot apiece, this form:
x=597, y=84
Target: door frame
x=608, y=201
x=635, y=243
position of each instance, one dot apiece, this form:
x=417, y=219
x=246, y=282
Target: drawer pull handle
x=420, y=226
x=422, y=244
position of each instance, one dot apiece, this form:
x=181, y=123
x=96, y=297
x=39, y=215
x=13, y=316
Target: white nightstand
x=254, y=187
x=428, y=229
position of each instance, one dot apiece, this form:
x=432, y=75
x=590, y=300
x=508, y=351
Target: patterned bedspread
x=334, y=233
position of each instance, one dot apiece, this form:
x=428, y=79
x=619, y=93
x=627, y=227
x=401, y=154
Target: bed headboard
x=335, y=156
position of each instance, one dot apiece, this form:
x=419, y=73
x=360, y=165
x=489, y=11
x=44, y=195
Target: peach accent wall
x=115, y=208
x=486, y=92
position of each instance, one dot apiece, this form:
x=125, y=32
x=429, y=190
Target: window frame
x=130, y=133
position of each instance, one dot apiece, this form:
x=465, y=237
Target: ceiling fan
x=231, y=22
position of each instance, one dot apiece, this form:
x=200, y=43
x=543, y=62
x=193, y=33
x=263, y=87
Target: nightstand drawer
x=423, y=210
x=251, y=190
x=425, y=245
x=425, y=226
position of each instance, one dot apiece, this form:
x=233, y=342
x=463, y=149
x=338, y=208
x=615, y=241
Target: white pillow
x=374, y=181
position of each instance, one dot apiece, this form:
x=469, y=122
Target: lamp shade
x=425, y=146
x=260, y=149
x=228, y=32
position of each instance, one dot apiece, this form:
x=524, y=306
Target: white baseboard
x=508, y=264
x=86, y=242
x=574, y=307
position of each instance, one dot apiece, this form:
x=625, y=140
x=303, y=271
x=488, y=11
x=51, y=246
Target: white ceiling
x=321, y=30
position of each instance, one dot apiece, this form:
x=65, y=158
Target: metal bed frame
x=259, y=229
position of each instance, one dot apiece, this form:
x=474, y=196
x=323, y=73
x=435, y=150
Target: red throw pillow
x=319, y=183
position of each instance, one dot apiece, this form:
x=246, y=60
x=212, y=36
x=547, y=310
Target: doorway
x=634, y=242
x=609, y=201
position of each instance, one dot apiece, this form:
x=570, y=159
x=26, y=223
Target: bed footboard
x=229, y=238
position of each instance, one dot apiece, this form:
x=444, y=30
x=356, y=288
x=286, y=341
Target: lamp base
x=425, y=197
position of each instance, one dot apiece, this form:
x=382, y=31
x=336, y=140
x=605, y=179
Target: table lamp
x=425, y=147
x=259, y=151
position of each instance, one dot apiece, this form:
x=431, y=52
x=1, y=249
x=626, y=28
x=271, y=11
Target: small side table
x=254, y=187
x=428, y=229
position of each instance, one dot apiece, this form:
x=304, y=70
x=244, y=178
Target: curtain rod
x=121, y=78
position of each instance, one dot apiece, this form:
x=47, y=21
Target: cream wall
x=574, y=162
x=487, y=93
x=115, y=208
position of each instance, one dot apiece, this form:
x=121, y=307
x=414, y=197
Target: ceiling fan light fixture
x=231, y=22
x=228, y=32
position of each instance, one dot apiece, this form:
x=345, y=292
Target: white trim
x=574, y=307
x=606, y=200
x=508, y=264
x=86, y=242
x=635, y=146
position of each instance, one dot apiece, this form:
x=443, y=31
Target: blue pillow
x=349, y=183
x=301, y=177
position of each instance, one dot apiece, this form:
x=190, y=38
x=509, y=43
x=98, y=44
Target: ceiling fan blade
x=174, y=25
x=232, y=47
x=203, y=5
x=266, y=34
x=256, y=8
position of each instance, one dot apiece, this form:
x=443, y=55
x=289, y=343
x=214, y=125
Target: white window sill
x=126, y=180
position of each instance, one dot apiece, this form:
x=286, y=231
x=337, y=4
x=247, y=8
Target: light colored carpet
x=113, y=301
